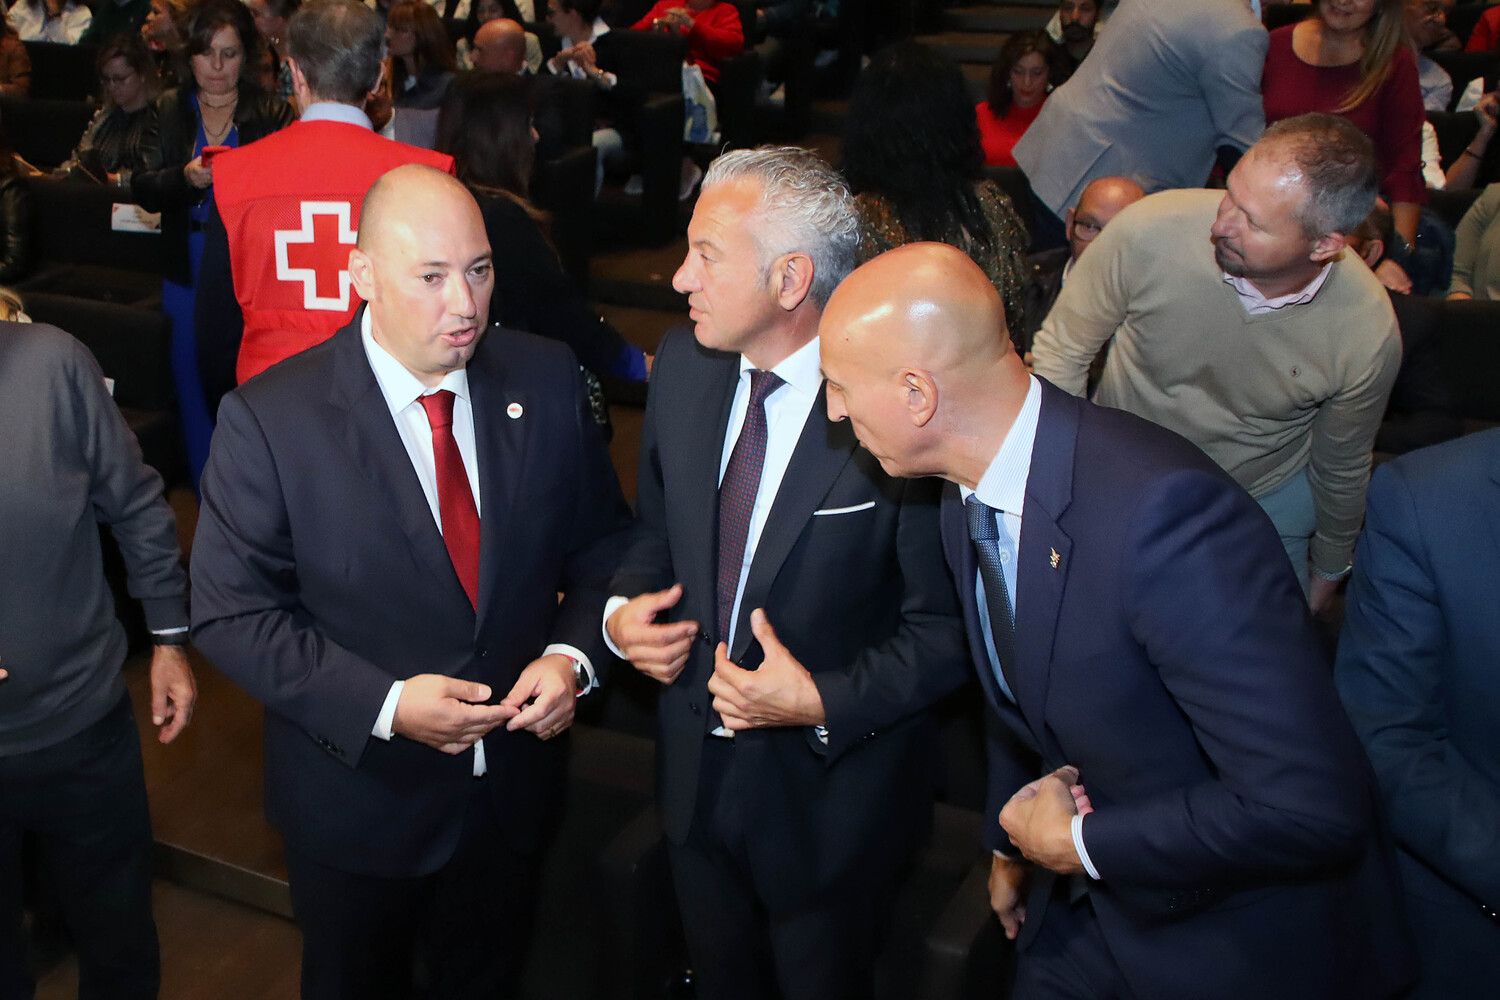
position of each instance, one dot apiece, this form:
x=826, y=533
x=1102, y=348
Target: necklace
x=216, y=137
x=234, y=97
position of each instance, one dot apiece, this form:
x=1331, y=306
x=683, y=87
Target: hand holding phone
x=209, y=152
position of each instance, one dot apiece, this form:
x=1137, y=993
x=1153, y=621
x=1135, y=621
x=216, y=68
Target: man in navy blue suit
x=1203, y=823
x=1417, y=672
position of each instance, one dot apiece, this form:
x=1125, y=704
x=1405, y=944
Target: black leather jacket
x=15, y=228
x=167, y=191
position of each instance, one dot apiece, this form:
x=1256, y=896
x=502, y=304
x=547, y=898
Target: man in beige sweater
x=1240, y=323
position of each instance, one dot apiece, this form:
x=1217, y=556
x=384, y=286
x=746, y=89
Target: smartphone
x=209, y=152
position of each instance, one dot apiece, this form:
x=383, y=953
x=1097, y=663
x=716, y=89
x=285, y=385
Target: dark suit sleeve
x=1008, y=766
x=599, y=520
x=647, y=564
x=925, y=659
x=219, y=323
x=246, y=614
x=1213, y=603
x=1391, y=672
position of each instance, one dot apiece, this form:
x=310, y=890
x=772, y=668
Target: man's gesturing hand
x=547, y=683
x=1008, y=893
x=780, y=693
x=1039, y=821
x=173, y=691
x=446, y=713
x=658, y=651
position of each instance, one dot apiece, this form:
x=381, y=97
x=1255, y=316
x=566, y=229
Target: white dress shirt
x=33, y=25
x=1256, y=304
x=402, y=391
x=787, y=410
x=1003, y=487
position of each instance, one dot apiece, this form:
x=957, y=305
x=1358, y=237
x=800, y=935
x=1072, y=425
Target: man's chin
x=1228, y=263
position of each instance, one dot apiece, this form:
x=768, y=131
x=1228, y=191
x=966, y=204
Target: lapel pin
x=514, y=411
x=1056, y=559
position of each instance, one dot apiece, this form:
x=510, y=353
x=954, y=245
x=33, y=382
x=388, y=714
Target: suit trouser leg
x=466, y=927
x=1068, y=959
x=85, y=799
x=15, y=977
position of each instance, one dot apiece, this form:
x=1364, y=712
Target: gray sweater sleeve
x=128, y=495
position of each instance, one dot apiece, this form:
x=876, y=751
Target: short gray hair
x=1337, y=164
x=338, y=45
x=806, y=206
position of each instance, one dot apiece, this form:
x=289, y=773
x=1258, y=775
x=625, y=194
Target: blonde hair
x=12, y=309
x=1384, y=34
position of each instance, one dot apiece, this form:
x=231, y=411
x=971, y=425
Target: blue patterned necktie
x=985, y=534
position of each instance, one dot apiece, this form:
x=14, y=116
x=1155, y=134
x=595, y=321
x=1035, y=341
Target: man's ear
x=1328, y=247
x=362, y=273
x=1068, y=224
x=921, y=395
x=794, y=279
x=1373, y=252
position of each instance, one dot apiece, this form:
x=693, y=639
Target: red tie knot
x=439, y=407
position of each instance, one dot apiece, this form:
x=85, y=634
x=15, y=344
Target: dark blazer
x=1168, y=654
x=167, y=191
x=1417, y=672
x=860, y=598
x=319, y=577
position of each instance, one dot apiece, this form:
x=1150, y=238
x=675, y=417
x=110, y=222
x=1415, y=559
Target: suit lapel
x=500, y=443
x=822, y=451
x=1045, y=555
x=375, y=447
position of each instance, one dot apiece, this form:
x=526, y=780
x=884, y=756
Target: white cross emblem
x=309, y=275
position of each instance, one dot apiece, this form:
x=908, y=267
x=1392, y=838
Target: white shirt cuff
x=578, y=656
x=1083, y=853
x=385, y=722
x=610, y=607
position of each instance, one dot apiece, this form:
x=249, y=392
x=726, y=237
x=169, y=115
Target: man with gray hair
x=275, y=274
x=1274, y=353
x=790, y=598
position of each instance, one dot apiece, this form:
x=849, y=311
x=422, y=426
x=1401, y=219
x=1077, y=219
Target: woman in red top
x=712, y=29
x=1350, y=59
x=1019, y=82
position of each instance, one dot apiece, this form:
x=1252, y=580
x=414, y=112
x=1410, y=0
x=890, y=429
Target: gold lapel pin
x=1056, y=559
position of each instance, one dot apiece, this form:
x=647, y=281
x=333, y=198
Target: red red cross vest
x=290, y=205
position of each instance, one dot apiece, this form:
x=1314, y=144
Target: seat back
x=1470, y=347
x=62, y=72
x=130, y=344
x=71, y=225
x=44, y=131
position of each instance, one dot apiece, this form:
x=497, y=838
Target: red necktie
x=456, y=507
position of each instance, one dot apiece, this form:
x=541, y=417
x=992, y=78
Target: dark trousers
x=738, y=948
x=84, y=802
x=1068, y=959
x=461, y=932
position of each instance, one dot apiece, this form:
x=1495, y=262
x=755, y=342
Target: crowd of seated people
x=61, y=21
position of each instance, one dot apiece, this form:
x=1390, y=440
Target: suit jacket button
x=482, y=652
x=694, y=706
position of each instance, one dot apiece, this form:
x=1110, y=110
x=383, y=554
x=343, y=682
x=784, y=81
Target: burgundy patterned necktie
x=456, y=506
x=737, y=493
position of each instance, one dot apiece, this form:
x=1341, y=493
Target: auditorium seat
x=62, y=72
x=1463, y=17
x=43, y=132
x=1465, y=66
x=1470, y=349
x=78, y=253
x=652, y=62
x=564, y=181
x=1455, y=130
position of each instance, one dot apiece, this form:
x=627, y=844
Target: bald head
x=423, y=265
x=500, y=47
x=1100, y=202
x=915, y=349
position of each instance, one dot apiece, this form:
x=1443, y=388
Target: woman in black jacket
x=15, y=217
x=123, y=136
x=485, y=125
x=220, y=105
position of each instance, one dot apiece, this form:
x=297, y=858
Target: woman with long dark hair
x=123, y=136
x=913, y=159
x=218, y=105
x=485, y=125
x=422, y=55
x=1020, y=80
x=1351, y=59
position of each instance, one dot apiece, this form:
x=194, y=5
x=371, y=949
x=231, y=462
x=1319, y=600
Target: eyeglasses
x=116, y=81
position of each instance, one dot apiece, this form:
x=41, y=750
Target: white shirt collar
x=1257, y=304
x=398, y=385
x=1003, y=485
x=333, y=111
x=800, y=369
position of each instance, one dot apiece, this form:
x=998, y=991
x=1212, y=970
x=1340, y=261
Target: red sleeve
x=1399, y=145
x=1486, y=31
x=717, y=33
x=656, y=11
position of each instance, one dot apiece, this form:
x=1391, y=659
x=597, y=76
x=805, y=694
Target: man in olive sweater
x=70, y=757
x=1240, y=323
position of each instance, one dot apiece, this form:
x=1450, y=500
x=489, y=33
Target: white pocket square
x=844, y=510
